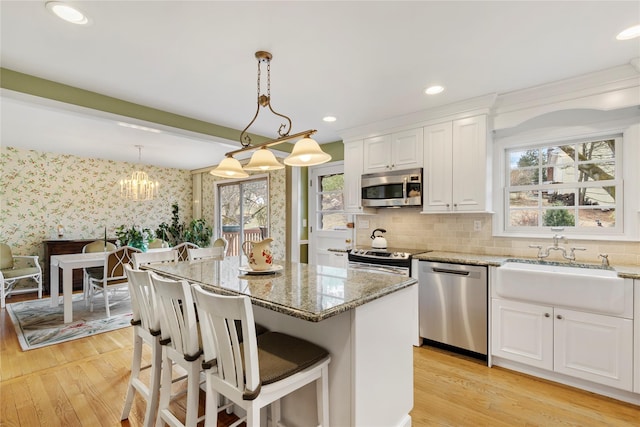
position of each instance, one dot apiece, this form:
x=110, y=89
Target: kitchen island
x=364, y=319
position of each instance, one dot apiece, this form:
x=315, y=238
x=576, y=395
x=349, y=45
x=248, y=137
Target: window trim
x=617, y=182
x=628, y=132
x=226, y=182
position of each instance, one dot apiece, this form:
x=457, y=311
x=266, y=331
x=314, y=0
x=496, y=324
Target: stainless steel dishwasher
x=453, y=305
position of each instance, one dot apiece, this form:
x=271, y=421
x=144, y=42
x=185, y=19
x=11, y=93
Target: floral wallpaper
x=39, y=191
x=277, y=208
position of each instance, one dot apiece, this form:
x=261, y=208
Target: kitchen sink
x=574, y=286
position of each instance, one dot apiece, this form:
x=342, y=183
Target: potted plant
x=134, y=236
x=197, y=231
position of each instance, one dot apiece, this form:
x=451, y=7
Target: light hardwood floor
x=83, y=383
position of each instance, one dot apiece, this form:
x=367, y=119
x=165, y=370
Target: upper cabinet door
x=470, y=164
x=407, y=149
x=377, y=154
x=352, y=176
x=402, y=150
x=437, y=171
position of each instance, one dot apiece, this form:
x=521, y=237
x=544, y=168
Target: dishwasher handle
x=447, y=271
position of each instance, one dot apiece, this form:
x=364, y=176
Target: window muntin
x=243, y=209
x=571, y=185
x=330, y=195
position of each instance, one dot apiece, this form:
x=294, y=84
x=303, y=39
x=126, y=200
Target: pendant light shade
x=307, y=152
x=229, y=168
x=263, y=160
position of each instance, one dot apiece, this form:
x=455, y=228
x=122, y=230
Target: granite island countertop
x=624, y=271
x=308, y=292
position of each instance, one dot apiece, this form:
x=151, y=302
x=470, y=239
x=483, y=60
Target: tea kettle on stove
x=379, y=242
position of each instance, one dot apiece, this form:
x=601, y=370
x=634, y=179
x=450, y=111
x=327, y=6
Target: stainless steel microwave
x=392, y=189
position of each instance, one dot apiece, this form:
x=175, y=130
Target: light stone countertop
x=307, y=292
x=625, y=271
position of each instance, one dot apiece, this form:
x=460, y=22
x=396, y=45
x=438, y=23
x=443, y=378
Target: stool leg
x=193, y=393
x=322, y=395
x=154, y=383
x=211, y=404
x=165, y=388
x=135, y=373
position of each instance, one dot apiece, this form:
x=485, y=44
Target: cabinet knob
x=559, y=316
x=547, y=315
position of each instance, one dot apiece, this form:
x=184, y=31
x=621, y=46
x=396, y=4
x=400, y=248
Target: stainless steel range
x=390, y=260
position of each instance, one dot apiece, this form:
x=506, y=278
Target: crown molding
x=459, y=110
x=610, y=89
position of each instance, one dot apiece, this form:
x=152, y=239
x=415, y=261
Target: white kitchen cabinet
x=588, y=346
x=353, y=163
x=401, y=150
x=456, y=160
x=522, y=332
x=594, y=347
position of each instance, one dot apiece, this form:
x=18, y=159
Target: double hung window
x=576, y=185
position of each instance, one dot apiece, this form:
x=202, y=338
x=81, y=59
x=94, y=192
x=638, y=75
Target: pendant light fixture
x=306, y=152
x=139, y=187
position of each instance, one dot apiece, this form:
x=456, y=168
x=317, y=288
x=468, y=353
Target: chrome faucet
x=569, y=255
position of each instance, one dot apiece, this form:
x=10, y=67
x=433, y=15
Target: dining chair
x=260, y=370
x=17, y=267
x=112, y=277
x=182, y=248
x=97, y=246
x=221, y=242
x=179, y=328
x=157, y=244
x=142, y=258
x=201, y=253
x=146, y=330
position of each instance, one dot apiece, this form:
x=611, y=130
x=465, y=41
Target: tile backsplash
x=407, y=228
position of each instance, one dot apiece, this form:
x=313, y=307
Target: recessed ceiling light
x=433, y=90
x=329, y=119
x=629, y=33
x=68, y=13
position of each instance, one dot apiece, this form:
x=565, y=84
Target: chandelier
x=306, y=152
x=139, y=187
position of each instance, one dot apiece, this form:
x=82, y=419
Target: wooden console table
x=63, y=247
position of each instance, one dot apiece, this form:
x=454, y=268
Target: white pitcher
x=258, y=254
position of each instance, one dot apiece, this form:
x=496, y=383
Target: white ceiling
x=360, y=61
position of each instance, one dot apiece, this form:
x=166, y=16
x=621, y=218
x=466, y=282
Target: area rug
x=37, y=324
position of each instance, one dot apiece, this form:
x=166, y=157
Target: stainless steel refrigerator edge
x=453, y=305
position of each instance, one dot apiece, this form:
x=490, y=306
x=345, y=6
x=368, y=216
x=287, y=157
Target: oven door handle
x=384, y=269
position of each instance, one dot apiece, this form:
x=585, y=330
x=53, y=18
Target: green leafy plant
x=174, y=233
x=558, y=217
x=197, y=231
x=134, y=236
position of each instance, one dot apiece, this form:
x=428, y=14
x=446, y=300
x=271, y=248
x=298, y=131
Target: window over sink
x=570, y=184
x=575, y=169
